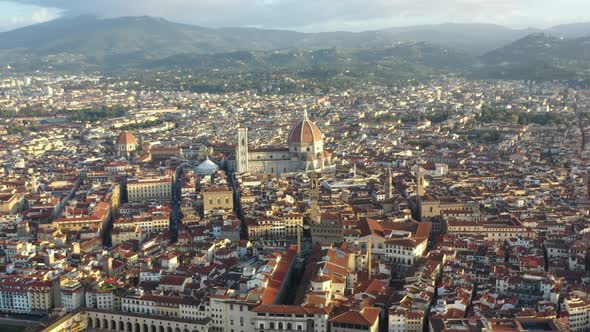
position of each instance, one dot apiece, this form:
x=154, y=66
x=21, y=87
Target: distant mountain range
x=88, y=43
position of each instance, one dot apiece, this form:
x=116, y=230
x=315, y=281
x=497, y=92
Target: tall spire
x=388, y=184
x=305, y=118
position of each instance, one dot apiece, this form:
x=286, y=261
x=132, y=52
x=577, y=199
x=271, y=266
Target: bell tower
x=242, y=151
x=421, y=190
x=314, y=196
x=389, y=184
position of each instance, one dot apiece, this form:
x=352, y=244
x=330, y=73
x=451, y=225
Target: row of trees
x=92, y=114
x=99, y=113
x=491, y=114
x=143, y=125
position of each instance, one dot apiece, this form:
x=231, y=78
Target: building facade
x=139, y=190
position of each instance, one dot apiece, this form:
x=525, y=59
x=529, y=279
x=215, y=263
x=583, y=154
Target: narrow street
x=175, y=213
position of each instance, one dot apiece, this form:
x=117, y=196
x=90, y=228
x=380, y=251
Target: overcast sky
x=307, y=15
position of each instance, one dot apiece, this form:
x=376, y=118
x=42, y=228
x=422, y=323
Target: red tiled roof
x=126, y=138
x=367, y=316
x=306, y=132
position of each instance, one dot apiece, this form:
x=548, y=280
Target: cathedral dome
x=126, y=138
x=305, y=132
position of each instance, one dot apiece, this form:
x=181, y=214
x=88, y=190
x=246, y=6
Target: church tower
x=314, y=196
x=420, y=183
x=242, y=151
x=389, y=185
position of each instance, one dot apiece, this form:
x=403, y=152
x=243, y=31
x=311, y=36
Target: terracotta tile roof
x=305, y=132
x=367, y=317
x=126, y=138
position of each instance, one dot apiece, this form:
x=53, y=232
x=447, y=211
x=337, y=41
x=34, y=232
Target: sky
x=307, y=15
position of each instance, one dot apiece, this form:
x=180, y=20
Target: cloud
x=324, y=13
x=43, y=15
x=31, y=15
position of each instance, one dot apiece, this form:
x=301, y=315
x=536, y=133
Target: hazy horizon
x=307, y=15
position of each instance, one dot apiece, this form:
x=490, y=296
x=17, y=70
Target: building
x=23, y=295
x=400, y=243
x=72, y=295
x=10, y=202
x=577, y=312
x=503, y=227
x=126, y=144
x=217, y=198
x=96, y=219
x=304, y=152
x=437, y=206
x=290, y=318
x=366, y=319
x=329, y=229
x=102, y=298
x=129, y=322
x=165, y=152
x=285, y=227
x=143, y=224
x=41, y=296
x=144, y=189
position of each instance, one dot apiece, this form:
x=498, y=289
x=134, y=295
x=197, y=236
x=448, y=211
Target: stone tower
x=242, y=151
x=420, y=183
x=389, y=184
x=314, y=196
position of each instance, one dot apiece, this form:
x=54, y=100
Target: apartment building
x=577, y=311
x=151, y=188
x=501, y=228
x=217, y=198
x=290, y=318
x=72, y=295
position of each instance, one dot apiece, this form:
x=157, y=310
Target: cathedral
x=304, y=152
